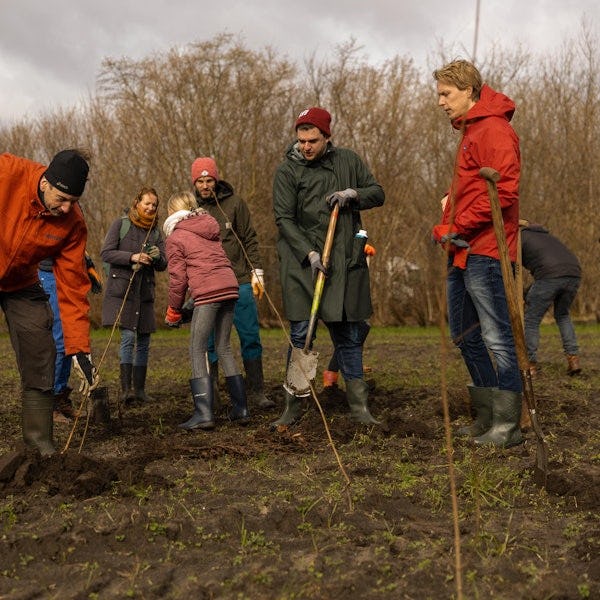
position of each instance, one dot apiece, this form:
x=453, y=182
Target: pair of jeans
x=135, y=348
x=245, y=321
x=561, y=292
x=214, y=319
x=480, y=323
x=347, y=338
x=62, y=365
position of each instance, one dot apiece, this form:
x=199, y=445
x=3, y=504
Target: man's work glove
x=453, y=244
x=344, y=198
x=455, y=240
x=93, y=275
x=258, y=283
x=442, y=235
x=173, y=318
x=87, y=372
x=153, y=252
x=315, y=264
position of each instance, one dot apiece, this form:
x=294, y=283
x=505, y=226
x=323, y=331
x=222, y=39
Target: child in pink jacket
x=198, y=263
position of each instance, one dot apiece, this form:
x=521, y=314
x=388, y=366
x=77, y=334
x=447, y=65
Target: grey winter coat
x=138, y=312
x=302, y=217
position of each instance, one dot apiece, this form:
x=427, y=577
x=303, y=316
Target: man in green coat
x=313, y=177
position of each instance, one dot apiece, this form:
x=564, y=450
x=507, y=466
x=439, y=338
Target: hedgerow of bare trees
x=150, y=118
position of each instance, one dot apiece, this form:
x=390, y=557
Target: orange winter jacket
x=29, y=233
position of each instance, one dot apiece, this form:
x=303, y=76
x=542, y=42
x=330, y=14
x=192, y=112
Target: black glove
x=88, y=374
x=455, y=240
x=344, y=198
x=315, y=264
x=153, y=252
x=93, y=275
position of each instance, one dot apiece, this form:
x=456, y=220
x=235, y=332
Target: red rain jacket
x=488, y=140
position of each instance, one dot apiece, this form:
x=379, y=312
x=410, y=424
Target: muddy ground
x=142, y=510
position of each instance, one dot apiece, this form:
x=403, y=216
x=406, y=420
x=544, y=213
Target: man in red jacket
x=42, y=218
x=477, y=308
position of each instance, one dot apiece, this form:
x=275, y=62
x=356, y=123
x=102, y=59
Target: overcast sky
x=50, y=52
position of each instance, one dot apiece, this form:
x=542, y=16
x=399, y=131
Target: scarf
x=142, y=221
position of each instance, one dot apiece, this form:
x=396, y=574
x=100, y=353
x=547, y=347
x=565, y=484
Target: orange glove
x=258, y=283
x=454, y=245
x=173, y=318
x=370, y=250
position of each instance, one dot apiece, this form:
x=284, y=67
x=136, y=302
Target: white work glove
x=258, y=283
x=87, y=372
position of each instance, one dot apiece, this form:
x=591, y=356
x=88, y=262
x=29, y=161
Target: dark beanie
x=68, y=172
x=317, y=117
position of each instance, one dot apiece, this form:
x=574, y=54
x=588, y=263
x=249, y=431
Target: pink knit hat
x=204, y=167
x=318, y=117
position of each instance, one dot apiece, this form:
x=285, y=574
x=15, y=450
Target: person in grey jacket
x=557, y=274
x=134, y=249
x=314, y=176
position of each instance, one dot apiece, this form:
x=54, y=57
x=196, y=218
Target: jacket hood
x=223, y=189
x=490, y=104
x=202, y=225
x=293, y=153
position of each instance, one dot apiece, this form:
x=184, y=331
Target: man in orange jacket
x=42, y=218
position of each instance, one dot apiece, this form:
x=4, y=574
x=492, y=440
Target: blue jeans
x=347, y=338
x=480, y=323
x=245, y=321
x=561, y=292
x=62, y=364
x=135, y=348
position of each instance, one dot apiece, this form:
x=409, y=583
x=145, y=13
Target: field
x=142, y=510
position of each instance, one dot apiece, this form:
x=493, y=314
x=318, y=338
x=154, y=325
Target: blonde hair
x=462, y=74
x=182, y=201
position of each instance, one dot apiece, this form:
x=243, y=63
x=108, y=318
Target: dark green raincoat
x=302, y=217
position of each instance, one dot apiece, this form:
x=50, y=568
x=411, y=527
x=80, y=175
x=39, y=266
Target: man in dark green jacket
x=313, y=177
x=240, y=243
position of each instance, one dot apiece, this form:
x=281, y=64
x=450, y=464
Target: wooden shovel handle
x=320, y=282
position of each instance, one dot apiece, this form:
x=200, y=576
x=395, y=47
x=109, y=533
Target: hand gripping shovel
x=491, y=176
x=302, y=368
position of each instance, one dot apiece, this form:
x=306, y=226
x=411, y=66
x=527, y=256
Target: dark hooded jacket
x=236, y=219
x=545, y=256
x=138, y=311
x=488, y=140
x=302, y=217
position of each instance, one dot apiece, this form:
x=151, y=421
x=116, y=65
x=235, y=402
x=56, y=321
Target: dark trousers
x=29, y=319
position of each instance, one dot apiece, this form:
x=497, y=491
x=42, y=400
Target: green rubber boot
x=481, y=403
x=506, y=416
x=37, y=421
x=357, y=393
x=292, y=411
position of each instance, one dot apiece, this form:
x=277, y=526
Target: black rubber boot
x=239, y=404
x=481, y=403
x=255, y=384
x=506, y=416
x=37, y=421
x=292, y=411
x=126, y=371
x=357, y=393
x=100, y=411
x=213, y=371
x=202, y=394
x=139, y=384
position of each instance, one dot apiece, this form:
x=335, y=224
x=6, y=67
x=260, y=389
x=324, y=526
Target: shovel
x=491, y=176
x=302, y=368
